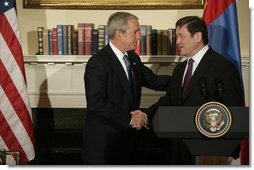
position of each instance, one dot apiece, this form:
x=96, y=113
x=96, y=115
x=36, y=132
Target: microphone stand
x=219, y=89
x=204, y=90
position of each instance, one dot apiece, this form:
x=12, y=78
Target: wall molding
x=57, y=81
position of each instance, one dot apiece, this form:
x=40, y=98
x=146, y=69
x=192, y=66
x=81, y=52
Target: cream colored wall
x=30, y=19
x=244, y=25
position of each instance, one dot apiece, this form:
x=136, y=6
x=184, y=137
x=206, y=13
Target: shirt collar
x=117, y=52
x=197, y=57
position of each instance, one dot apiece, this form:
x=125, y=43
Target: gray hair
x=119, y=22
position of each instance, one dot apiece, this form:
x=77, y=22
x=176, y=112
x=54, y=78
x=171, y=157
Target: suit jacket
x=108, y=139
x=212, y=69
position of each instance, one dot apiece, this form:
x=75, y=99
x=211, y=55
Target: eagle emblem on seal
x=213, y=119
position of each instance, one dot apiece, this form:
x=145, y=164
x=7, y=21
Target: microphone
x=203, y=89
x=219, y=88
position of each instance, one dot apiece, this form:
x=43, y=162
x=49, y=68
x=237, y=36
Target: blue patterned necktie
x=129, y=70
x=188, y=75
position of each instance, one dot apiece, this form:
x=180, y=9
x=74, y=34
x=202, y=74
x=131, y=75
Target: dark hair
x=194, y=25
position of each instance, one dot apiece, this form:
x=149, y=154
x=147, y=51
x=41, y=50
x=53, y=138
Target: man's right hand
x=138, y=119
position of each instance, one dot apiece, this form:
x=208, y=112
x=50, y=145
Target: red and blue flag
x=222, y=24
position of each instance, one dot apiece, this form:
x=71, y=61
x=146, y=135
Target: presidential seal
x=213, y=119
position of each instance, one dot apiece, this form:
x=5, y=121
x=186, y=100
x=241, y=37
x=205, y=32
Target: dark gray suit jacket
x=108, y=139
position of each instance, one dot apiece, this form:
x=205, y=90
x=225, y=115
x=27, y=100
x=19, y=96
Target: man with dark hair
x=202, y=63
x=113, y=81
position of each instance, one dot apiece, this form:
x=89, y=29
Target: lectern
x=179, y=122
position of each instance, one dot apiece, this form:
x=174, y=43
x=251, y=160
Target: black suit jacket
x=108, y=139
x=212, y=69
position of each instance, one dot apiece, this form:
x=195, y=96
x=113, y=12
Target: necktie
x=129, y=70
x=128, y=66
x=188, y=75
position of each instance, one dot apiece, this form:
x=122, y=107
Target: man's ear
x=198, y=36
x=119, y=34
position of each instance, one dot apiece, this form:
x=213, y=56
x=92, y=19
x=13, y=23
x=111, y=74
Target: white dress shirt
x=119, y=55
x=197, y=58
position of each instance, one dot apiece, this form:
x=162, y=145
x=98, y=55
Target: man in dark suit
x=113, y=92
x=209, y=70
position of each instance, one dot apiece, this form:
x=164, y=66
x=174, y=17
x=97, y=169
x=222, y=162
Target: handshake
x=138, y=120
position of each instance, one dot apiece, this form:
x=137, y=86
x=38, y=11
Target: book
x=60, y=39
x=143, y=40
x=81, y=38
x=75, y=42
x=159, y=47
x=40, y=40
x=106, y=35
x=101, y=36
x=174, y=41
x=164, y=42
x=54, y=41
x=148, y=40
x=88, y=38
x=65, y=40
x=45, y=42
x=170, y=41
x=50, y=40
x=154, y=41
x=70, y=29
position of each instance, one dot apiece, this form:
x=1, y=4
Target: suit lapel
x=119, y=71
x=179, y=82
x=199, y=72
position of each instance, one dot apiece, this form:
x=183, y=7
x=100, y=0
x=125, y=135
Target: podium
x=179, y=122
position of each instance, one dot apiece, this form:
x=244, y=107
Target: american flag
x=16, y=129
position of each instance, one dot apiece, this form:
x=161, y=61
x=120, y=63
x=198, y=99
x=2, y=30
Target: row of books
x=87, y=40
x=157, y=41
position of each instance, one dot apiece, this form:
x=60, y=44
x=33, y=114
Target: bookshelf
x=57, y=80
x=86, y=39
